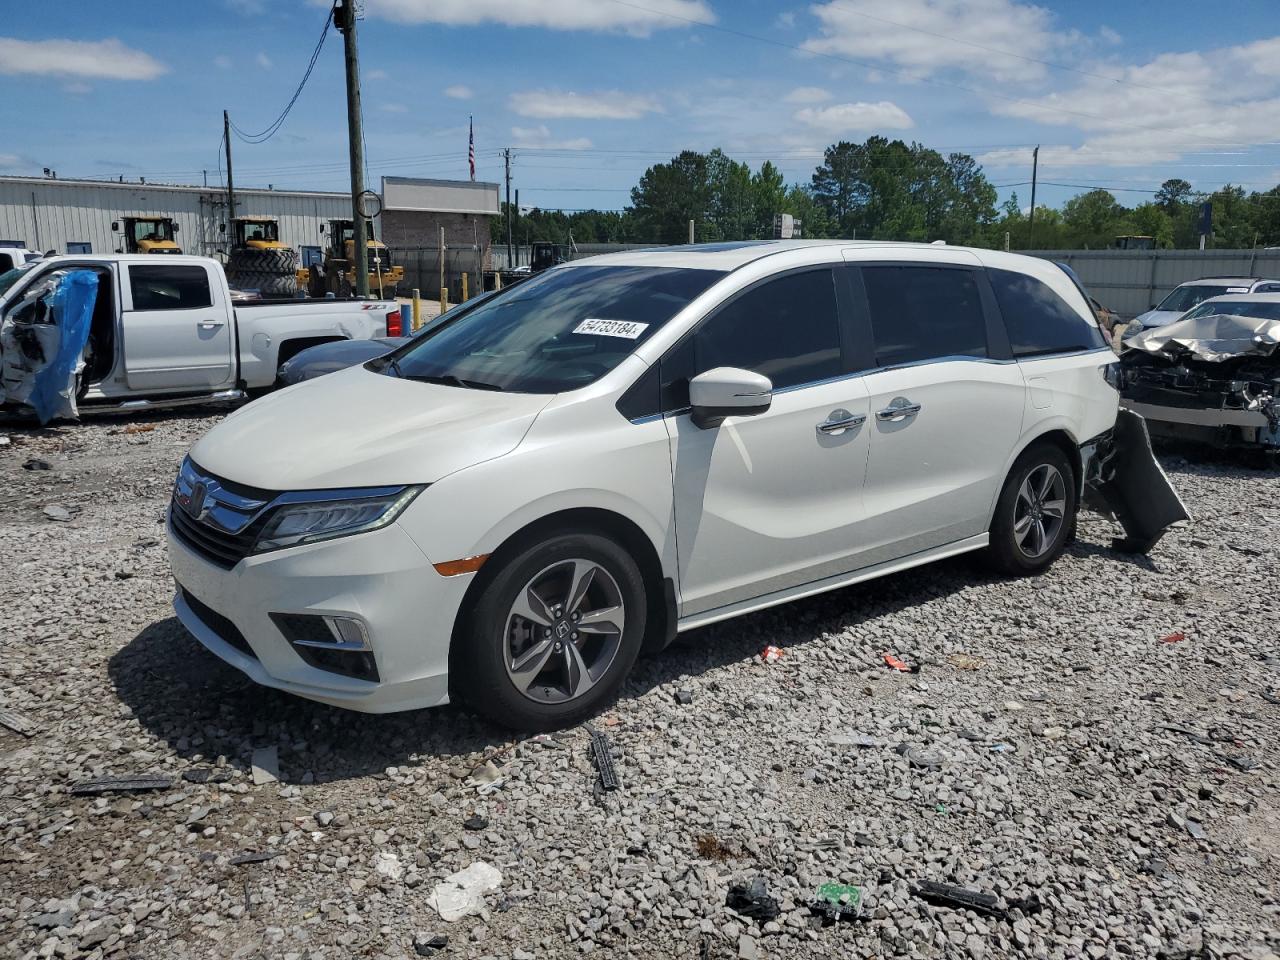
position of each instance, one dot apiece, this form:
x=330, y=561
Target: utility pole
x=1031, y=221
x=344, y=18
x=506, y=155
x=231, y=190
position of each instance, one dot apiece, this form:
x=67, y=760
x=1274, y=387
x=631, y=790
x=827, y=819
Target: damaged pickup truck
x=124, y=332
x=1211, y=377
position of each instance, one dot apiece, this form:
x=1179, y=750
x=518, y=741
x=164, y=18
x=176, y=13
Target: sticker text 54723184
x=627, y=329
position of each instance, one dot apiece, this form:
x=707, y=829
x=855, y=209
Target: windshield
x=1262, y=309
x=1184, y=298
x=10, y=277
x=556, y=332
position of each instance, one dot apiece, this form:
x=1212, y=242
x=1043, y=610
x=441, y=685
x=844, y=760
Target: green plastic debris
x=837, y=901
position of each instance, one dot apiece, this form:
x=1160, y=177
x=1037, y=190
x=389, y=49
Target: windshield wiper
x=449, y=380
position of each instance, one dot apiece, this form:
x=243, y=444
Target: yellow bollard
x=464, y=287
x=444, y=299
x=417, y=310
x=497, y=280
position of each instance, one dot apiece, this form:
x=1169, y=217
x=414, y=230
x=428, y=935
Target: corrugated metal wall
x=1130, y=281
x=49, y=214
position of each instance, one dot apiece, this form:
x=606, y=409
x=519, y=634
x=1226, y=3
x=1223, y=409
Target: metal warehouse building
x=75, y=216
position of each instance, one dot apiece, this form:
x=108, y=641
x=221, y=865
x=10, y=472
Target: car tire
x=514, y=625
x=1035, y=515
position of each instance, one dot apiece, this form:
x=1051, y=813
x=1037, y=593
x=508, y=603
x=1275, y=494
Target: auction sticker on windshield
x=627, y=329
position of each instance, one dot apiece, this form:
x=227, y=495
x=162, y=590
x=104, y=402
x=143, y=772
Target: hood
x=1158, y=318
x=356, y=428
x=1213, y=338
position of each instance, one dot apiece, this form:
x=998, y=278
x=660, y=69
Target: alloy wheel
x=1039, y=510
x=564, y=631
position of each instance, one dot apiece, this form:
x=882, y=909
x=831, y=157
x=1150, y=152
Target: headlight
x=310, y=517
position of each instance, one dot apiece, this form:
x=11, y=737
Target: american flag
x=471, y=146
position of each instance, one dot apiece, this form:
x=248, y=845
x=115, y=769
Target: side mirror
x=175, y=228
x=115, y=226
x=728, y=392
x=322, y=228
x=222, y=228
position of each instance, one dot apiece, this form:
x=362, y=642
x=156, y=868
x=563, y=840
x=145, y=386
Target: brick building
x=413, y=213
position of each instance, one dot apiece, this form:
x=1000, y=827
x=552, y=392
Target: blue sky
x=590, y=92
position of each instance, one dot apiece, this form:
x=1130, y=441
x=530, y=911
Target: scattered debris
x=387, y=864
x=711, y=848
x=966, y=661
x=752, y=900
x=958, y=898
x=836, y=902
x=121, y=785
x=1174, y=637
x=684, y=696
x=918, y=757
x=856, y=740
x=56, y=511
x=601, y=753
x=1196, y=831
x=486, y=775
x=252, y=856
x=461, y=894
x=425, y=944
x=1002, y=747
x=1243, y=764
x=266, y=765
x=1271, y=696
x=204, y=775
x=35, y=463
x=897, y=664
x=17, y=723
x=1084, y=793
x=139, y=428
x=771, y=654
x=1199, y=738
x=475, y=822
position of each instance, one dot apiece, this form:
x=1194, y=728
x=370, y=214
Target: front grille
x=224, y=628
x=219, y=548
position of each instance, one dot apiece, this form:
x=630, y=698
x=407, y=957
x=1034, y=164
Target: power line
x=265, y=135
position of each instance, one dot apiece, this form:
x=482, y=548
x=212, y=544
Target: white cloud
x=263, y=61
x=458, y=92
x=1110, y=36
x=8, y=161
x=785, y=20
x=539, y=138
x=1158, y=112
x=608, y=105
x=639, y=20
x=807, y=95
x=926, y=36
x=109, y=59
x=377, y=75
x=222, y=62
x=842, y=118
x=393, y=108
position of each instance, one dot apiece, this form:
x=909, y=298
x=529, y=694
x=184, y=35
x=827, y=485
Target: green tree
x=768, y=198
x=1092, y=219
x=1173, y=195
x=669, y=195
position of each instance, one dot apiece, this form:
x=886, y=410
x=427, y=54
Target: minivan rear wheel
x=1036, y=512
x=554, y=632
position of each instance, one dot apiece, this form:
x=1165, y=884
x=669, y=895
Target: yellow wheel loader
x=337, y=275
x=259, y=261
x=147, y=235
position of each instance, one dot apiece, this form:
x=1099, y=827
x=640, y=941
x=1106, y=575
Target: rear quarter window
x=1039, y=321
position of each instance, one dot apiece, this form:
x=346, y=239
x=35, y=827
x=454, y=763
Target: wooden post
x=497, y=280
x=417, y=310
x=442, y=279
x=464, y=287
x=444, y=299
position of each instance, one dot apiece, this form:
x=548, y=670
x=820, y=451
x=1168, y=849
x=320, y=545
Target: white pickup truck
x=163, y=332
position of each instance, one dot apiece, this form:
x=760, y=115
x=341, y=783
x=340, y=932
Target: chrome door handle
x=211, y=323
x=841, y=420
x=899, y=408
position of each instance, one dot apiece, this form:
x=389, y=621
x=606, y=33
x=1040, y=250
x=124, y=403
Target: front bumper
x=380, y=578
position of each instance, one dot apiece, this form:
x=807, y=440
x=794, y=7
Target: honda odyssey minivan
x=509, y=509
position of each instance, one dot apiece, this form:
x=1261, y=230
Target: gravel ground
x=1067, y=761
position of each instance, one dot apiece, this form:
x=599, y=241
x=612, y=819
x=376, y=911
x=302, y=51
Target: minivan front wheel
x=553, y=633
x=1035, y=513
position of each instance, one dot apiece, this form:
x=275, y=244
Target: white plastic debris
x=462, y=894
x=266, y=765
x=387, y=864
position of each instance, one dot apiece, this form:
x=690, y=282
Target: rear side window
x=924, y=313
x=172, y=287
x=786, y=329
x=1038, y=320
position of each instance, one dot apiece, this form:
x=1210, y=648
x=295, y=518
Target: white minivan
x=512, y=507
